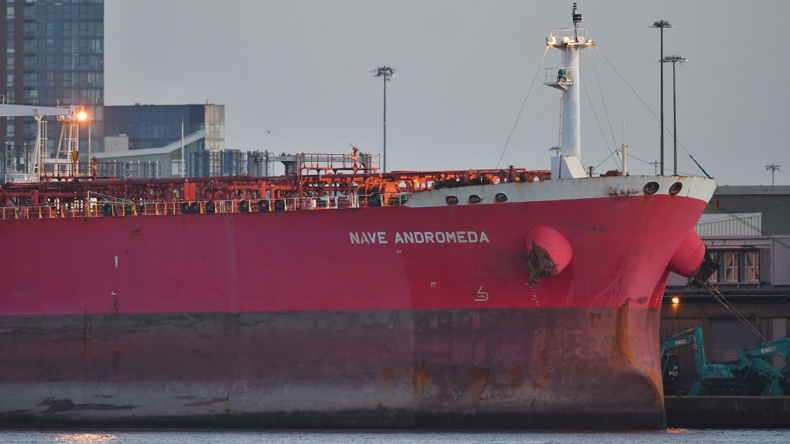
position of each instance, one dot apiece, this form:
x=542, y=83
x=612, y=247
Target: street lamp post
x=674, y=60
x=661, y=24
x=386, y=73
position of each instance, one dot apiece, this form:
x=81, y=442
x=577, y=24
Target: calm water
x=200, y=437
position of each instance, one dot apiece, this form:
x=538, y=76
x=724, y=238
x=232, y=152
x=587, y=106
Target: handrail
x=97, y=209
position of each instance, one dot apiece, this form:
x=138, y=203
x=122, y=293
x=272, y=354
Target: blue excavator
x=752, y=374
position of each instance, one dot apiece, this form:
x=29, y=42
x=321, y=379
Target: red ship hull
x=346, y=318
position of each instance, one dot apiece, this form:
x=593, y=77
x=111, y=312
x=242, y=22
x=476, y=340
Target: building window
x=737, y=266
x=752, y=266
x=731, y=266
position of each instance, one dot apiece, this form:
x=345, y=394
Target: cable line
x=587, y=93
x=512, y=130
x=651, y=112
x=603, y=101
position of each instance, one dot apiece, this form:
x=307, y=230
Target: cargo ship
x=341, y=296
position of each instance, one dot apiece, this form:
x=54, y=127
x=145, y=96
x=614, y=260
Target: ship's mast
x=567, y=79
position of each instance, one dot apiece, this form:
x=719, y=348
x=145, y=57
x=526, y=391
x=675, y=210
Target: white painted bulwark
x=555, y=190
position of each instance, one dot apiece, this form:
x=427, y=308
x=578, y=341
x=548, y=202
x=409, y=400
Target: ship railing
x=558, y=77
x=95, y=208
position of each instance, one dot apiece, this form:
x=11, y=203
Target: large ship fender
x=548, y=253
x=689, y=257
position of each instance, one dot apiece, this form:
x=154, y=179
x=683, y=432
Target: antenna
x=577, y=18
x=655, y=164
x=624, y=152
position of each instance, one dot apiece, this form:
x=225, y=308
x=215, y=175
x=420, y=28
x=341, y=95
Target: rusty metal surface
x=549, y=368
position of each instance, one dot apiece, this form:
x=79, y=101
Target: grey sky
x=301, y=70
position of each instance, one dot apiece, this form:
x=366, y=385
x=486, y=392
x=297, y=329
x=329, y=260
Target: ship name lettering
x=420, y=237
x=375, y=237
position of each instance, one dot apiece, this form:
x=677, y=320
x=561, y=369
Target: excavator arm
x=754, y=360
x=692, y=336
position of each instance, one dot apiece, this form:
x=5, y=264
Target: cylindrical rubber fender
x=548, y=253
x=263, y=206
x=279, y=205
x=688, y=258
x=211, y=207
x=106, y=210
x=244, y=206
x=194, y=208
x=185, y=208
x=374, y=201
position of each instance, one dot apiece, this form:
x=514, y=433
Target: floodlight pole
x=385, y=124
x=386, y=73
x=183, y=156
x=661, y=24
x=674, y=61
x=773, y=168
x=674, y=123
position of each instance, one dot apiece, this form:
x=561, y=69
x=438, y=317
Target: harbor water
x=672, y=436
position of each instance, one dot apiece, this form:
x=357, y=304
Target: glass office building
x=54, y=54
x=155, y=126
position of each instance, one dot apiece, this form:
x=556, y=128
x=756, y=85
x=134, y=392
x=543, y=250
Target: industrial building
x=747, y=231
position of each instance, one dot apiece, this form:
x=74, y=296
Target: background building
x=747, y=230
x=53, y=52
x=151, y=163
x=154, y=126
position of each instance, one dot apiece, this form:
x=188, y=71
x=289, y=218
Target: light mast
x=567, y=79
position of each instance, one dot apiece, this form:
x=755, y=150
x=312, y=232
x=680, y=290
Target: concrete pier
x=728, y=411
